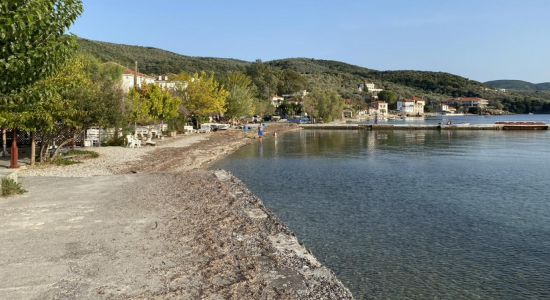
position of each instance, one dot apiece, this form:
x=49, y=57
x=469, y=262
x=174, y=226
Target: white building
x=414, y=106
x=277, y=100
x=370, y=88
x=468, y=102
x=130, y=76
x=165, y=84
x=378, y=108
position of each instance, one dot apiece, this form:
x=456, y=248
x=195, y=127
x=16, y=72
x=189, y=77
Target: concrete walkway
x=75, y=238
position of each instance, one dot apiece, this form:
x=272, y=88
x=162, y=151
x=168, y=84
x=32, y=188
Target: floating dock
x=498, y=126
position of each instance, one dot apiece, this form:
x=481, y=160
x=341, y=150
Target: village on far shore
x=375, y=108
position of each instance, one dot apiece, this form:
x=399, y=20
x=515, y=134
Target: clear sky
x=479, y=39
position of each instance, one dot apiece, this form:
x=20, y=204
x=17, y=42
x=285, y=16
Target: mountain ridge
x=319, y=74
x=519, y=85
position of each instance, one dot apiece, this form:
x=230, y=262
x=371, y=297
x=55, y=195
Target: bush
x=10, y=187
x=119, y=141
x=73, y=157
x=83, y=154
x=61, y=161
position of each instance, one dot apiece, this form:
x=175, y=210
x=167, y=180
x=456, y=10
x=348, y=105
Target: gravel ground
x=111, y=159
x=172, y=231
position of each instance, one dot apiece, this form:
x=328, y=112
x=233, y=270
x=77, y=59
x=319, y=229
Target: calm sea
x=413, y=214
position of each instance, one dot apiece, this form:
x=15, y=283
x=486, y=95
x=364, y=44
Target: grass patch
x=62, y=161
x=10, y=187
x=74, y=157
x=82, y=154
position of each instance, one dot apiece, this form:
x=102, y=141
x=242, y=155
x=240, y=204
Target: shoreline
x=234, y=246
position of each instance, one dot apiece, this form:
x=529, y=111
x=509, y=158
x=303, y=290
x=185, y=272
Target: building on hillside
x=370, y=88
x=446, y=109
x=130, y=78
x=414, y=106
x=165, y=84
x=301, y=94
x=467, y=102
x=295, y=98
x=277, y=100
x=378, y=108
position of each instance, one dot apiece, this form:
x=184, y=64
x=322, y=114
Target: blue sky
x=479, y=39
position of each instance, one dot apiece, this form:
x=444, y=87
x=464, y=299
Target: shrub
x=11, y=187
x=82, y=154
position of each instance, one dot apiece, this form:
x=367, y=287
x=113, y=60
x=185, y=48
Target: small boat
x=455, y=125
x=522, y=125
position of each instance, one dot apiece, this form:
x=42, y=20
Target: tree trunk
x=14, y=155
x=43, y=150
x=4, y=143
x=56, y=153
x=33, y=148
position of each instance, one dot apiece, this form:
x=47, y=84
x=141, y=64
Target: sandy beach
x=153, y=223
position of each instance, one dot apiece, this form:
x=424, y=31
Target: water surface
x=417, y=214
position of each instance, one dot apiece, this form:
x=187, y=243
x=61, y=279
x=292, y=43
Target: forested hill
x=156, y=61
x=331, y=73
x=519, y=85
x=290, y=74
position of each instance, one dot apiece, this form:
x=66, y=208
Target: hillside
x=156, y=61
x=333, y=75
x=519, y=85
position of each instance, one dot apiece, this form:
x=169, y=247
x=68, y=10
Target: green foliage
x=33, y=42
x=387, y=96
x=291, y=82
x=263, y=108
x=240, y=102
x=137, y=110
x=202, y=96
x=74, y=157
x=81, y=95
x=437, y=82
x=324, y=105
x=115, y=142
x=82, y=154
x=265, y=79
x=280, y=76
x=10, y=187
x=156, y=61
x=63, y=161
x=519, y=85
x=162, y=105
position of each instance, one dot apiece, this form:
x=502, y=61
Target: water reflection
x=414, y=214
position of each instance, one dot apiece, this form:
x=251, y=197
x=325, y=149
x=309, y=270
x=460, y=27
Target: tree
x=283, y=109
x=240, y=102
x=325, y=105
x=61, y=107
x=264, y=78
x=33, y=47
x=202, y=96
x=34, y=43
x=263, y=108
x=291, y=82
x=162, y=105
x=387, y=96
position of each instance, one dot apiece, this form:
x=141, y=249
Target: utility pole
x=135, y=88
x=135, y=74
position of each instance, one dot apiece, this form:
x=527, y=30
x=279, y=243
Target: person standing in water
x=261, y=132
